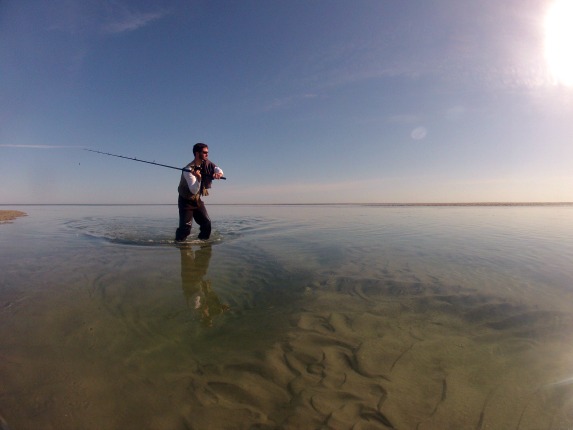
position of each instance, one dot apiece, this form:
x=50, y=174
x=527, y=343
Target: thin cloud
x=491, y=45
x=130, y=21
x=94, y=17
x=39, y=146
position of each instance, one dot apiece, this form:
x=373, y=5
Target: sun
x=559, y=41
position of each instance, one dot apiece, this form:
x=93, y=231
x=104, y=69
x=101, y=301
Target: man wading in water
x=192, y=186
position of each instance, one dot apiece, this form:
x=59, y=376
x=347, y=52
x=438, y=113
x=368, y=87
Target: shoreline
x=6, y=215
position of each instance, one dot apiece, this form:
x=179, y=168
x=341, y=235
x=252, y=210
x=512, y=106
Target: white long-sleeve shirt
x=194, y=183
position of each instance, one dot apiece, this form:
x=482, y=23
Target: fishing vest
x=206, y=180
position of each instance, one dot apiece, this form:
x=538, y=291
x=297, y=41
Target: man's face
x=204, y=153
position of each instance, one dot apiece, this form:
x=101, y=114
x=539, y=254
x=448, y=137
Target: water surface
x=342, y=316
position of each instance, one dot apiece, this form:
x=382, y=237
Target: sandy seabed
x=357, y=356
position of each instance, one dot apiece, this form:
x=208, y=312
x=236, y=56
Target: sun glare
x=559, y=41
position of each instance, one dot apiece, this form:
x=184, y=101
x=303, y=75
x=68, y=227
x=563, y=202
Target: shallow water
x=289, y=317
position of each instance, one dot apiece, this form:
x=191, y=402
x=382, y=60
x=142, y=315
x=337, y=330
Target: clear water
x=289, y=317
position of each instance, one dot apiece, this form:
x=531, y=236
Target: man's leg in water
x=185, y=220
x=201, y=217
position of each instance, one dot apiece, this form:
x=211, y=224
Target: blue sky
x=299, y=101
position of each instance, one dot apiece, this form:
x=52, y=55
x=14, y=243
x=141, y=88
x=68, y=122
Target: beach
x=426, y=318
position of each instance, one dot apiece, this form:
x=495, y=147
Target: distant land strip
x=468, y=204
x=474, y=204
x=7, y=216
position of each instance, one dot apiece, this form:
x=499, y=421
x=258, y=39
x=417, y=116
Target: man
x=194, y=184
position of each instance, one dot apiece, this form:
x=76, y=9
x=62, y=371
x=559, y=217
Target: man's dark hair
x=198, y=147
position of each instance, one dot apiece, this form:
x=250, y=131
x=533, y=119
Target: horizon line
x=388, y=204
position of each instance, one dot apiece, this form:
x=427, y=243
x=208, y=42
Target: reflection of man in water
x=198, y=292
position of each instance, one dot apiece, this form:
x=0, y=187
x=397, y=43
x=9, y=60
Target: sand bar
x=6, y=216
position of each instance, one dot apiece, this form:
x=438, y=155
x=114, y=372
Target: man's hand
x=217, y=175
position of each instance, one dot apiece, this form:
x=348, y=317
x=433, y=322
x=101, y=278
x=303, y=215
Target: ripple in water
x=144, y=231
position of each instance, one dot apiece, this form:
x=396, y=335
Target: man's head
x=201, y=150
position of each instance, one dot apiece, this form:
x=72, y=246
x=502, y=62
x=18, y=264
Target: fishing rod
x=184, y=169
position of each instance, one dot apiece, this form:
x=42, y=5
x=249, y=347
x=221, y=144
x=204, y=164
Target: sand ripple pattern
x=437, y=358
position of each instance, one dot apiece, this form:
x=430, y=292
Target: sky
x=323, y=101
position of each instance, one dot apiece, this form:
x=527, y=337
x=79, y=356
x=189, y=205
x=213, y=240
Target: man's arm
x=192, y=182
